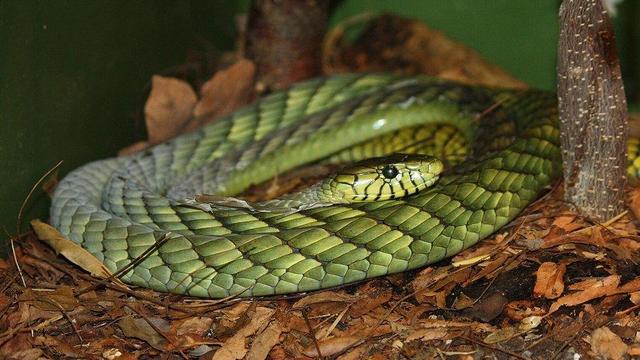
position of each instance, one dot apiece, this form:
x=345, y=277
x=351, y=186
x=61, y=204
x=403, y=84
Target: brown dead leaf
x=427, y=334
x=266, y=340
x=332, y=346
x=631, y=245
x=607, y=344
x=489, y=268
x=501, y=335
x=140, y=329
x=134, y=148
x=70, y=250
x=394, y=43
x=429, y=282
x=234, y=347
x=371, y=296
x=61, y=298
x=325, y=296
x=521, y=309
x=635, y=298
x=633, y=350
x=227, y=90
x=566, y=223
x=65, y=349
x=549, y=280
x=587, y=290
x=357, y=353
x=629, y=287
x=27, y=354
x=508, y=332
x=168, y=109
x=195, y=325
x=19, y=344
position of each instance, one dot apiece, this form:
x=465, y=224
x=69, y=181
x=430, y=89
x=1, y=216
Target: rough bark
x=284, y=40
x=592, y=109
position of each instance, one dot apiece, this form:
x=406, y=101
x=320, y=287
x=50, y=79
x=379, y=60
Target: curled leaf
x=70, y=250
x=168, y=108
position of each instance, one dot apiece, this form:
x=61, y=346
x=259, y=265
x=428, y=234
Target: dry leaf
x=633, y=350
x=63, y=348
x=331, y=346
x=70, y=250
x=139, y=328
x=61, y=298
x=234, y=348
x=263, y=343
x=357, y=353
x=168, y=108
x=28, y=354
x=520, y=309
x=509, y=332
x=134, y=148
x=588, y=290
x=549, y=280
x=371, y=296
x=325, y=296
x=501, y=335
x=404, y=45
x=227, y=90
x=629, y=287
x=607, y=344
x=195, y=325
x=427, y=334
x=566, y=223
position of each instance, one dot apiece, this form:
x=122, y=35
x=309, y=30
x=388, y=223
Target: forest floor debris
x=550, y=285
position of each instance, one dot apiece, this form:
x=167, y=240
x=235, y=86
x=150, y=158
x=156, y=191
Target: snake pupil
x=390, y=171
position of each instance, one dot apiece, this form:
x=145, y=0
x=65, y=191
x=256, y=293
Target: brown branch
x=284, y=40
x=592, y=109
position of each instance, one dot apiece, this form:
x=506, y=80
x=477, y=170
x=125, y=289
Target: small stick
x=19, y=220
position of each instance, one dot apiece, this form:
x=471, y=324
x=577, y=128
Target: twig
x=66, y=316
x=154, y=327
x=566, y=343
x=33, y=189
x=19, y=220
x=312, y=332
x=135, y=262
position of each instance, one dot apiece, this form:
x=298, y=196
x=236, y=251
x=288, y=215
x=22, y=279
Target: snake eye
x=390, y=171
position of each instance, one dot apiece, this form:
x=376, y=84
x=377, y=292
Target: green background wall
x=73, y=74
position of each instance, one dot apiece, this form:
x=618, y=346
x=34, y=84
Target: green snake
x=500, y=147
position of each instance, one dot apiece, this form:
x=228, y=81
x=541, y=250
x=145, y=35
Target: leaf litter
x=550, y=285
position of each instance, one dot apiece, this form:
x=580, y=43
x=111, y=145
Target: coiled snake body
x=119, y=208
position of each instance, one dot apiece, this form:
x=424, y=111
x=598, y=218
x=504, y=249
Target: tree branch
x=284, y=39
x=592, y=109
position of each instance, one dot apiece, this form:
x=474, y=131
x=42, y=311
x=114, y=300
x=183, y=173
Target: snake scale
x=120, y=209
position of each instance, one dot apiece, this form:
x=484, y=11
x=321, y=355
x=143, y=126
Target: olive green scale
x=501, y=147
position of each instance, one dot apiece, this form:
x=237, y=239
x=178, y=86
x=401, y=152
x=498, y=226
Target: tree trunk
x=593, y=110
x=284, y=40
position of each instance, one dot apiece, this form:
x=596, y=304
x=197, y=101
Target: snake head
x=386, y=178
